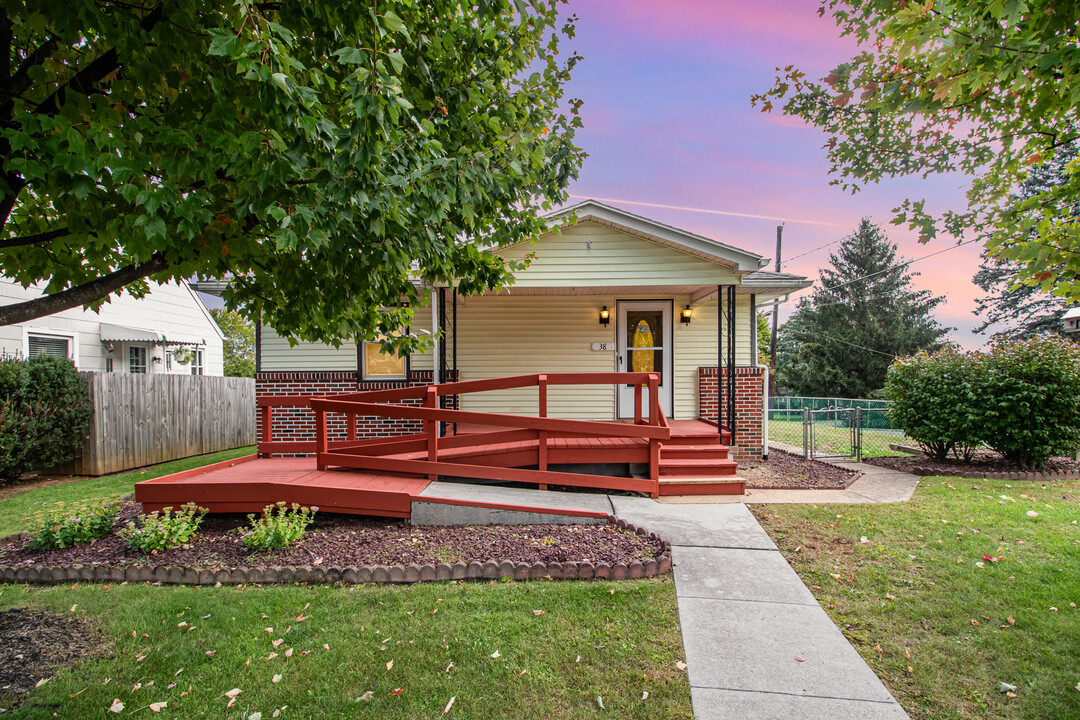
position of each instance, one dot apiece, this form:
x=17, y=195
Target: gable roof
x=737, y=259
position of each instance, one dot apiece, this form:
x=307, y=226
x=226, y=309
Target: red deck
x=381, y=476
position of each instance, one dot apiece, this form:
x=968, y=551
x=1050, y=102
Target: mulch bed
x=34, y=645
x=344, y=540
x=785, y=471
x=984, y=463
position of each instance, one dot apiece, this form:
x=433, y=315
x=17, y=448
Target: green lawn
x=609, y=640
x=15, y=511
x=939, y=624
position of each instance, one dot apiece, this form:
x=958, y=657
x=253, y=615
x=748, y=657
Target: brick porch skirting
x=296, y=424
x=746, y=446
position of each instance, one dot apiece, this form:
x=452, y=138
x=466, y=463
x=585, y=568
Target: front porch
x=343, y=472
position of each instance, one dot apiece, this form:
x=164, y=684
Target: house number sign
x=603, y=346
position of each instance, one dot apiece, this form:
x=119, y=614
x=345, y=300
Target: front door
x=643, y=337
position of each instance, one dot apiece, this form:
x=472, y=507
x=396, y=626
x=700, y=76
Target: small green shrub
x=44, y=414
x=274, y=531
x=934, y=401
x=159, y=531
x=73, y=524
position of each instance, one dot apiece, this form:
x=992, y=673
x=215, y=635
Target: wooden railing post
x=267, y=427
x=431, y=427
x=654, y=399
x=654, y=444
x=350, y=420
x=321, y=444
x=637, y=403
x=541, y=435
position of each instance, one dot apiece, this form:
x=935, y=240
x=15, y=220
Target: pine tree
x=1024, y=311
x=862, y=315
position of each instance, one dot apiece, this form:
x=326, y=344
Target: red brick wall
x=746, y=445
x=294, y=424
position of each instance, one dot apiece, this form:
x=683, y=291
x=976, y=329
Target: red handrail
x=364, y=454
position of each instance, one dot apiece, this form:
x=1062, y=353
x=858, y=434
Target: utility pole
x=775, y=317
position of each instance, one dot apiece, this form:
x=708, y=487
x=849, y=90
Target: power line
x=897, y=267
x=845, y=342
x=820, y=247
x=709, y=211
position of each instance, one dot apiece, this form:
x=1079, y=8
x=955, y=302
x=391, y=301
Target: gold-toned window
x=379, y=364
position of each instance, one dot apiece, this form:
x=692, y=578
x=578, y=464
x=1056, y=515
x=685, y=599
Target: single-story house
x=167, y=331
x=612, y=292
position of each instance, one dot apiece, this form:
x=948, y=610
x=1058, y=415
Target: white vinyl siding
x=594, y=255
x=500, y=336
x=170, y=308
x=277, y=354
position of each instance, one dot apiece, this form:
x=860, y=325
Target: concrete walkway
x=758, y=645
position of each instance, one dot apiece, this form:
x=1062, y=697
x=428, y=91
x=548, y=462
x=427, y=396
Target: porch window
x=377, y=364
x=137, y=360
x=52, y=345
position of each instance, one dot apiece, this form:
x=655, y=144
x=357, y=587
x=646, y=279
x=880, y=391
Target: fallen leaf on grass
x=288, y=653
x=233, y=693
x=644, y=696
x=389, y=664
x=496, y=654
x=276, y=679
x=158, y=706
x=271, y=656
x=269, y=630
x=117, y=706
x=41, y=682
x=211, y=653
x=277, y=643
x=255, y=716
x=538, y=612
x=366, y=697
x=600, y=702
x=449, y=705
x=680, y=665
x=449, y=666
x=397, y=691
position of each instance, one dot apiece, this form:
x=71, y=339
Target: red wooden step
x=693, y=467
x=717, y=452
x=733, y=485
x=711, y=439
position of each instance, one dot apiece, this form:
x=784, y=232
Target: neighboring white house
x=167, y=331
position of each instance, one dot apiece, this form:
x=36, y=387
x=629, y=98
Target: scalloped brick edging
x=1034, y=476
x=352, y=574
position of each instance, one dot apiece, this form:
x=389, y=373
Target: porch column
x=731, y=362
x=719, y=360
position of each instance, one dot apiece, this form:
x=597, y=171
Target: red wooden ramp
x=382, y=476
x=250, y=484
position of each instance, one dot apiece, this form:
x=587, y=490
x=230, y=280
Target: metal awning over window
x=122, y=333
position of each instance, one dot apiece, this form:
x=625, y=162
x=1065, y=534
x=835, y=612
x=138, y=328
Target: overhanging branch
x=80, y=294
x=34, y=239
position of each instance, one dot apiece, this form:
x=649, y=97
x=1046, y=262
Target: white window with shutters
x=50, y=342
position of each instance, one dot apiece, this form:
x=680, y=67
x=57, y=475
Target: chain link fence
x=836, y=427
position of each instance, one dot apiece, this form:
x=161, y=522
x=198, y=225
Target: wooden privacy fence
x=141, y=420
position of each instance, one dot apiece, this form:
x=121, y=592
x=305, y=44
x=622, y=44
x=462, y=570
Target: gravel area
x=985, y=461
x=787, y=472
x=343, y=540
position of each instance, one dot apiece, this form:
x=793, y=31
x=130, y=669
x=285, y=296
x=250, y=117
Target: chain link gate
x=832, y=433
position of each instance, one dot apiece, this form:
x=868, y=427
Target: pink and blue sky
x=668, y=122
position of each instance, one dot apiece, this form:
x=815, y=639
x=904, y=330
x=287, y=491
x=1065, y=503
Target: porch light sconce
x=687, y=313
x=605, y=316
